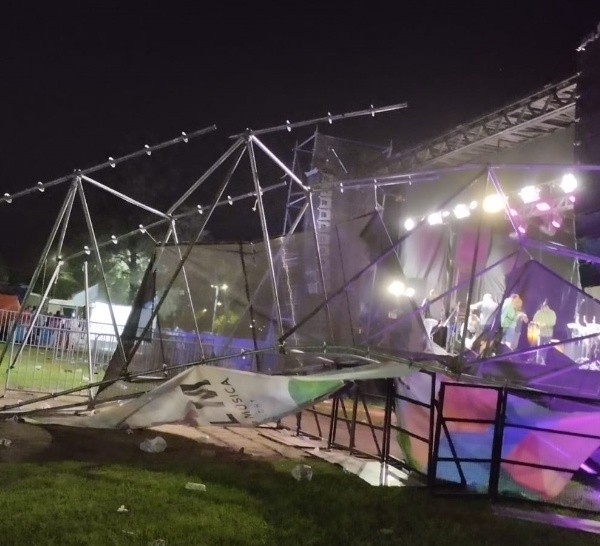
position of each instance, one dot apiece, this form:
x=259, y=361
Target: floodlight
x=409, y=224
x=493, y=203
x=542, y=206
x=409, y=292
x=435, y=219
x=230, y=200
x=461, y=211
x=529, y=194
x=572, y=198
x=568, y=183
x=142, y=228
x=473, y=205
x=8, y=197
x=40, y=186
x=199, y=207
x=114, y=239
x=396, y=288
x=557, y=220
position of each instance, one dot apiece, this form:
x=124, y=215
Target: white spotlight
x=568, y=183
x=396, y=288
x=493, y=203
x=473, y=205
x=409, y=292
x=435, y=218
x=530, y=194
x=409, y=224
x=461, y=211
x=557, y=221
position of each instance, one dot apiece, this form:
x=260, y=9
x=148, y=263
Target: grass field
x=43, y=370
x=75, y=503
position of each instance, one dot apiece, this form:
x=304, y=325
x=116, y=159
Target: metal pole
x=192, y=243
x=329, y=118
x=35, y=315
x=279, y=163
x=265, y=232
x=187, y=287
x=200, y=180
x=66, y=204
x=214, y=315
x=178, y=216
x=90, y=226
x=91, y=392
x=387, y=252
x=124, y=197
x=112, y=162
x=320, y=265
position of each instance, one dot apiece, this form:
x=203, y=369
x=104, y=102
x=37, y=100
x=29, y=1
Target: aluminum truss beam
x=548, y=110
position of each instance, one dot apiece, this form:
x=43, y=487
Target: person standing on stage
x=511, y=316
x=486, y=308
x=545, y=318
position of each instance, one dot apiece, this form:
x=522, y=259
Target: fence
x=363, y=421
x=55, y=356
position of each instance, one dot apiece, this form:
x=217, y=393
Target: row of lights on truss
x=495, y=203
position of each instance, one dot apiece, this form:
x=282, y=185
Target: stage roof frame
x=544, y=112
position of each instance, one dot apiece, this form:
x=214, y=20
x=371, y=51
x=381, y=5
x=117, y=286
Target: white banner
x=207, y=395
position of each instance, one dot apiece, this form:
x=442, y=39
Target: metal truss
x=548, y=110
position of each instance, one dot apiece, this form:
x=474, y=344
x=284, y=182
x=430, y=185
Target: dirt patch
x=40, y=443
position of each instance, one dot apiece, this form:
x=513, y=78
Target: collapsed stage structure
x=381, y=272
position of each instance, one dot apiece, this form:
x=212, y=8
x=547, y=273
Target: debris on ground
x=122, y=508
x=154, y=445
x=302, y=472
x=194, y=486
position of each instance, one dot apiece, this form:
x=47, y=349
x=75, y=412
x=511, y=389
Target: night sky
x=80, y=84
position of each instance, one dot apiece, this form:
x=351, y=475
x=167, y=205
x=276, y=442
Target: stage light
x=568, y=183
x=396, y=288
x=445, y=214
x=557, y=221
x=409, y=292
x=461, y=211
x=199, y=207
x=8, y=197
x=434, y=219
x=522, y=229
x=513, y=212
x=230, y=200
x=409, y=224
x=41, y=188
x=572, y=198
x=542, y=206
x=142, y=228
x=473, y=205
x=493, y=203
x=114, y=239
x=529, y=194
x=87, y=250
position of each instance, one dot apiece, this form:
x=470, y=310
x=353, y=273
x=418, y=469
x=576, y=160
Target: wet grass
x=246, y=502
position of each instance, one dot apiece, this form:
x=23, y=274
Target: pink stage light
x=542, y=206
